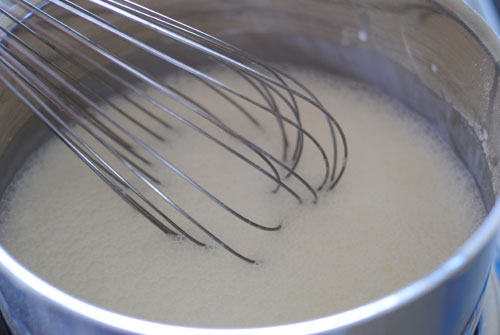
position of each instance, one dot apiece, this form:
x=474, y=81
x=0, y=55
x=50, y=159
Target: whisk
x=44, y=58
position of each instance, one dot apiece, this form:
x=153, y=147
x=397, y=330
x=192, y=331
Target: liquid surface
x=404, y=205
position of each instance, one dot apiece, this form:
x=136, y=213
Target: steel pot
x=436, y=57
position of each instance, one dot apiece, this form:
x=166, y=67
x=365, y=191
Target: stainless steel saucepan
x=436, y=57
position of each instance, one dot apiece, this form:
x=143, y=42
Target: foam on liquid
x=404, y=205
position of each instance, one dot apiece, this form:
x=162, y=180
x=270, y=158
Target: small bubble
x=363, y=36
x=434, y=68
x=494, y=160
x=485, y=135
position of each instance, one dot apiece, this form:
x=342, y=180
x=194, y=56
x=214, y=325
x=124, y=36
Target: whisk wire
x=209, y=79
x=102, y=51
x=91, y=162
x=61, y=96
x=178, y=117
x=314, y=100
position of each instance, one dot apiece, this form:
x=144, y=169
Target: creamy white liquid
x=404, y=205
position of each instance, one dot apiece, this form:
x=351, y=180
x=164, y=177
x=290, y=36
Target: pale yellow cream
x=404, y=206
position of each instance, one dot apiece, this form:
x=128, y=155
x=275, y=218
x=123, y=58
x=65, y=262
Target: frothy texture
x=404, y=205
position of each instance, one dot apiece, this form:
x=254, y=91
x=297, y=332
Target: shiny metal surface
x=438, y=58
x=490, y=317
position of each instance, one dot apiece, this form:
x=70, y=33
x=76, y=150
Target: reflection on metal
x=488, y=12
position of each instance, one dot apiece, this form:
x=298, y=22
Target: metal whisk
x=43, y=59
